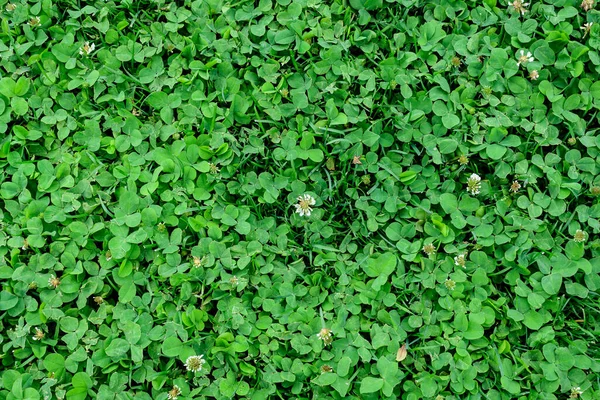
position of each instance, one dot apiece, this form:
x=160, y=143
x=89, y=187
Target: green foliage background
x=156, y=177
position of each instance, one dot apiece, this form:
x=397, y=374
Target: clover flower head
x=587, y=5
x=460, y=260
x=194, y=363
x=586, y=28
x=579, y=236
x=429, y=249
x=515, y=186
x=474, y=184
x=463, y=160
x=305, y=202
x=519, y=6
x=173, y=393
x=213, y=168
x=576, y=392
x=325, y=335
x=87, y=48
x=39, y=334
x=450, y=284
x=34, y=21
x=11, y=7
x=525, y=58
x=534, y=75
x=197, y=261
x=326, y=368
x=53, y=281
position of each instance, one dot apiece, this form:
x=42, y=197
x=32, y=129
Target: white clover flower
x=429, y=249
x=534, y=75
x=586, y=28
x=305, y=202
x=579, y=236
x=11, y=7
x=173, y=393
x=518, y=5
x=474, y=184
x=53, y=281
x=525, y=58
x=87, y=48
x=576, y=392
x=450, y=284
x=213, y=168
x=195, y=363
x=39, y=334
x=325, y=335
x=460, y=260
x=34, y=21
x=198, y=262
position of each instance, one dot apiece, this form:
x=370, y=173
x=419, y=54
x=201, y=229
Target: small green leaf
x=384, y=264
x=449, y=202
x=172, y=347
x=551, y=283
x=450, y=121
x=7, y=300
x=117, y=348
x=447, y=146
x=370, y=385
x=495, y=151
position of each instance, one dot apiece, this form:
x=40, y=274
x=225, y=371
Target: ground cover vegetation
x=299, y=199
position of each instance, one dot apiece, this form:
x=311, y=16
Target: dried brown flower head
x=326, y=368
x=587, y=5
x=515, y=186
